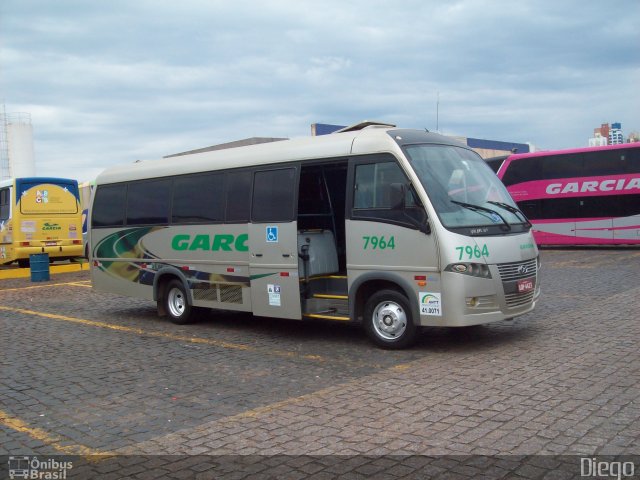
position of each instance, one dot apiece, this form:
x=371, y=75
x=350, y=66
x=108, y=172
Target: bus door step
x=326, y=316
x=331, y=305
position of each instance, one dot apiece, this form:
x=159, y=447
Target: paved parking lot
x=86, y=373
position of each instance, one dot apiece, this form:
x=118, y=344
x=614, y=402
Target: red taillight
x=25, y=244
x=421, y=280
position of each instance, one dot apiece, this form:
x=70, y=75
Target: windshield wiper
x=514, y=210
x=479, y=208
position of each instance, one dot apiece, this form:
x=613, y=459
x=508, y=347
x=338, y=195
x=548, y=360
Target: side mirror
x=397, y=196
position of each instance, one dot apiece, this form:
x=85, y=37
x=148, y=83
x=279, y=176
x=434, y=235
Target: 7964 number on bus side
x=379, y=243
x=470, y=252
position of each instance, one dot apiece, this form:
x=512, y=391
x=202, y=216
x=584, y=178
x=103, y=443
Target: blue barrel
x=39, y=263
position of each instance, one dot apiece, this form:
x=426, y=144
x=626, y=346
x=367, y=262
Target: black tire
x=176, y=303
x=23, y=263
x=388, y=320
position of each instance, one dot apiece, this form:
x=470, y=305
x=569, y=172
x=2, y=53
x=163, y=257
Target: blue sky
x=112, y=82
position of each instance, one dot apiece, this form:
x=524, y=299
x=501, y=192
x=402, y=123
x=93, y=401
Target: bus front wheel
x=176, y=303
x=388, y=320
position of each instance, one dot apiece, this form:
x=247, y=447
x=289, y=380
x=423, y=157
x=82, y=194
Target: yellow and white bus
x=39, y=215
x=391, y=228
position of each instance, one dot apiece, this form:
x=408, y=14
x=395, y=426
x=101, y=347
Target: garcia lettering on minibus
x=224, y=242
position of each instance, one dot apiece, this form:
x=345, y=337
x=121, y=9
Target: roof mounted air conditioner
x=365, y=124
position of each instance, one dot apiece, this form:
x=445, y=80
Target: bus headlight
x=473, y=269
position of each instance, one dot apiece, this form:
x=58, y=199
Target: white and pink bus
x=585, y=196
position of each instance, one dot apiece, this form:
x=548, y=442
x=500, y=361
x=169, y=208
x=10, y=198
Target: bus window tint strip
x=207, y=198
x=581, y=207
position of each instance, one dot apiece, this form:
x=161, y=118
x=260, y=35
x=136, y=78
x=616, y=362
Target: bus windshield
x=462, y=188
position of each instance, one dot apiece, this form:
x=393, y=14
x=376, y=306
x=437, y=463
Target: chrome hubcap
x=389, y=320
x=176, y=302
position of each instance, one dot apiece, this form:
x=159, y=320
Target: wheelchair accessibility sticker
x=274, y=295
x=272, y=234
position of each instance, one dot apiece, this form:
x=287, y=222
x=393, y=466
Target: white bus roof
x=371, y=139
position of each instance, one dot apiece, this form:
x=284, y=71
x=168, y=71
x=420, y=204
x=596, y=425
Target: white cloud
x=112, y=82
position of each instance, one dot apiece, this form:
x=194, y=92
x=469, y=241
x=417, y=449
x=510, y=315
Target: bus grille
x=510, y=273
x=208, y=294
x=231, y=293
x=518, y=271
x=217, y=292
x=519, y=299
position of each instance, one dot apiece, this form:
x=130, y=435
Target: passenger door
x=273, y=261
x=386, y=232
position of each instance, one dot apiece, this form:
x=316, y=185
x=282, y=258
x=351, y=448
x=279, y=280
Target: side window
x=631, y=158
x=562, y=166
x=522, y=170
x=238, y=202
x=148, y=202
x=630, y=205
x=609, y=205
x=108, y=206
x=5, y=204
x=552, y=208
x=373, y=185
x=273, y=195
x=198, y=199
x=376, y=191
x=604, y=162
x=531, y=209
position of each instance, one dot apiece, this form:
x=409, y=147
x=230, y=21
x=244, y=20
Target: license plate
x=50, y=244
x=525, y=285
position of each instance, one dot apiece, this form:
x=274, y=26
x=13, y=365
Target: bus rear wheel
x=176, y=303
x=388, y=320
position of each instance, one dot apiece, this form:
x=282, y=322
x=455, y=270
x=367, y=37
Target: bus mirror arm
x=397, y=194
x=425, y=227
x=422, y=224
